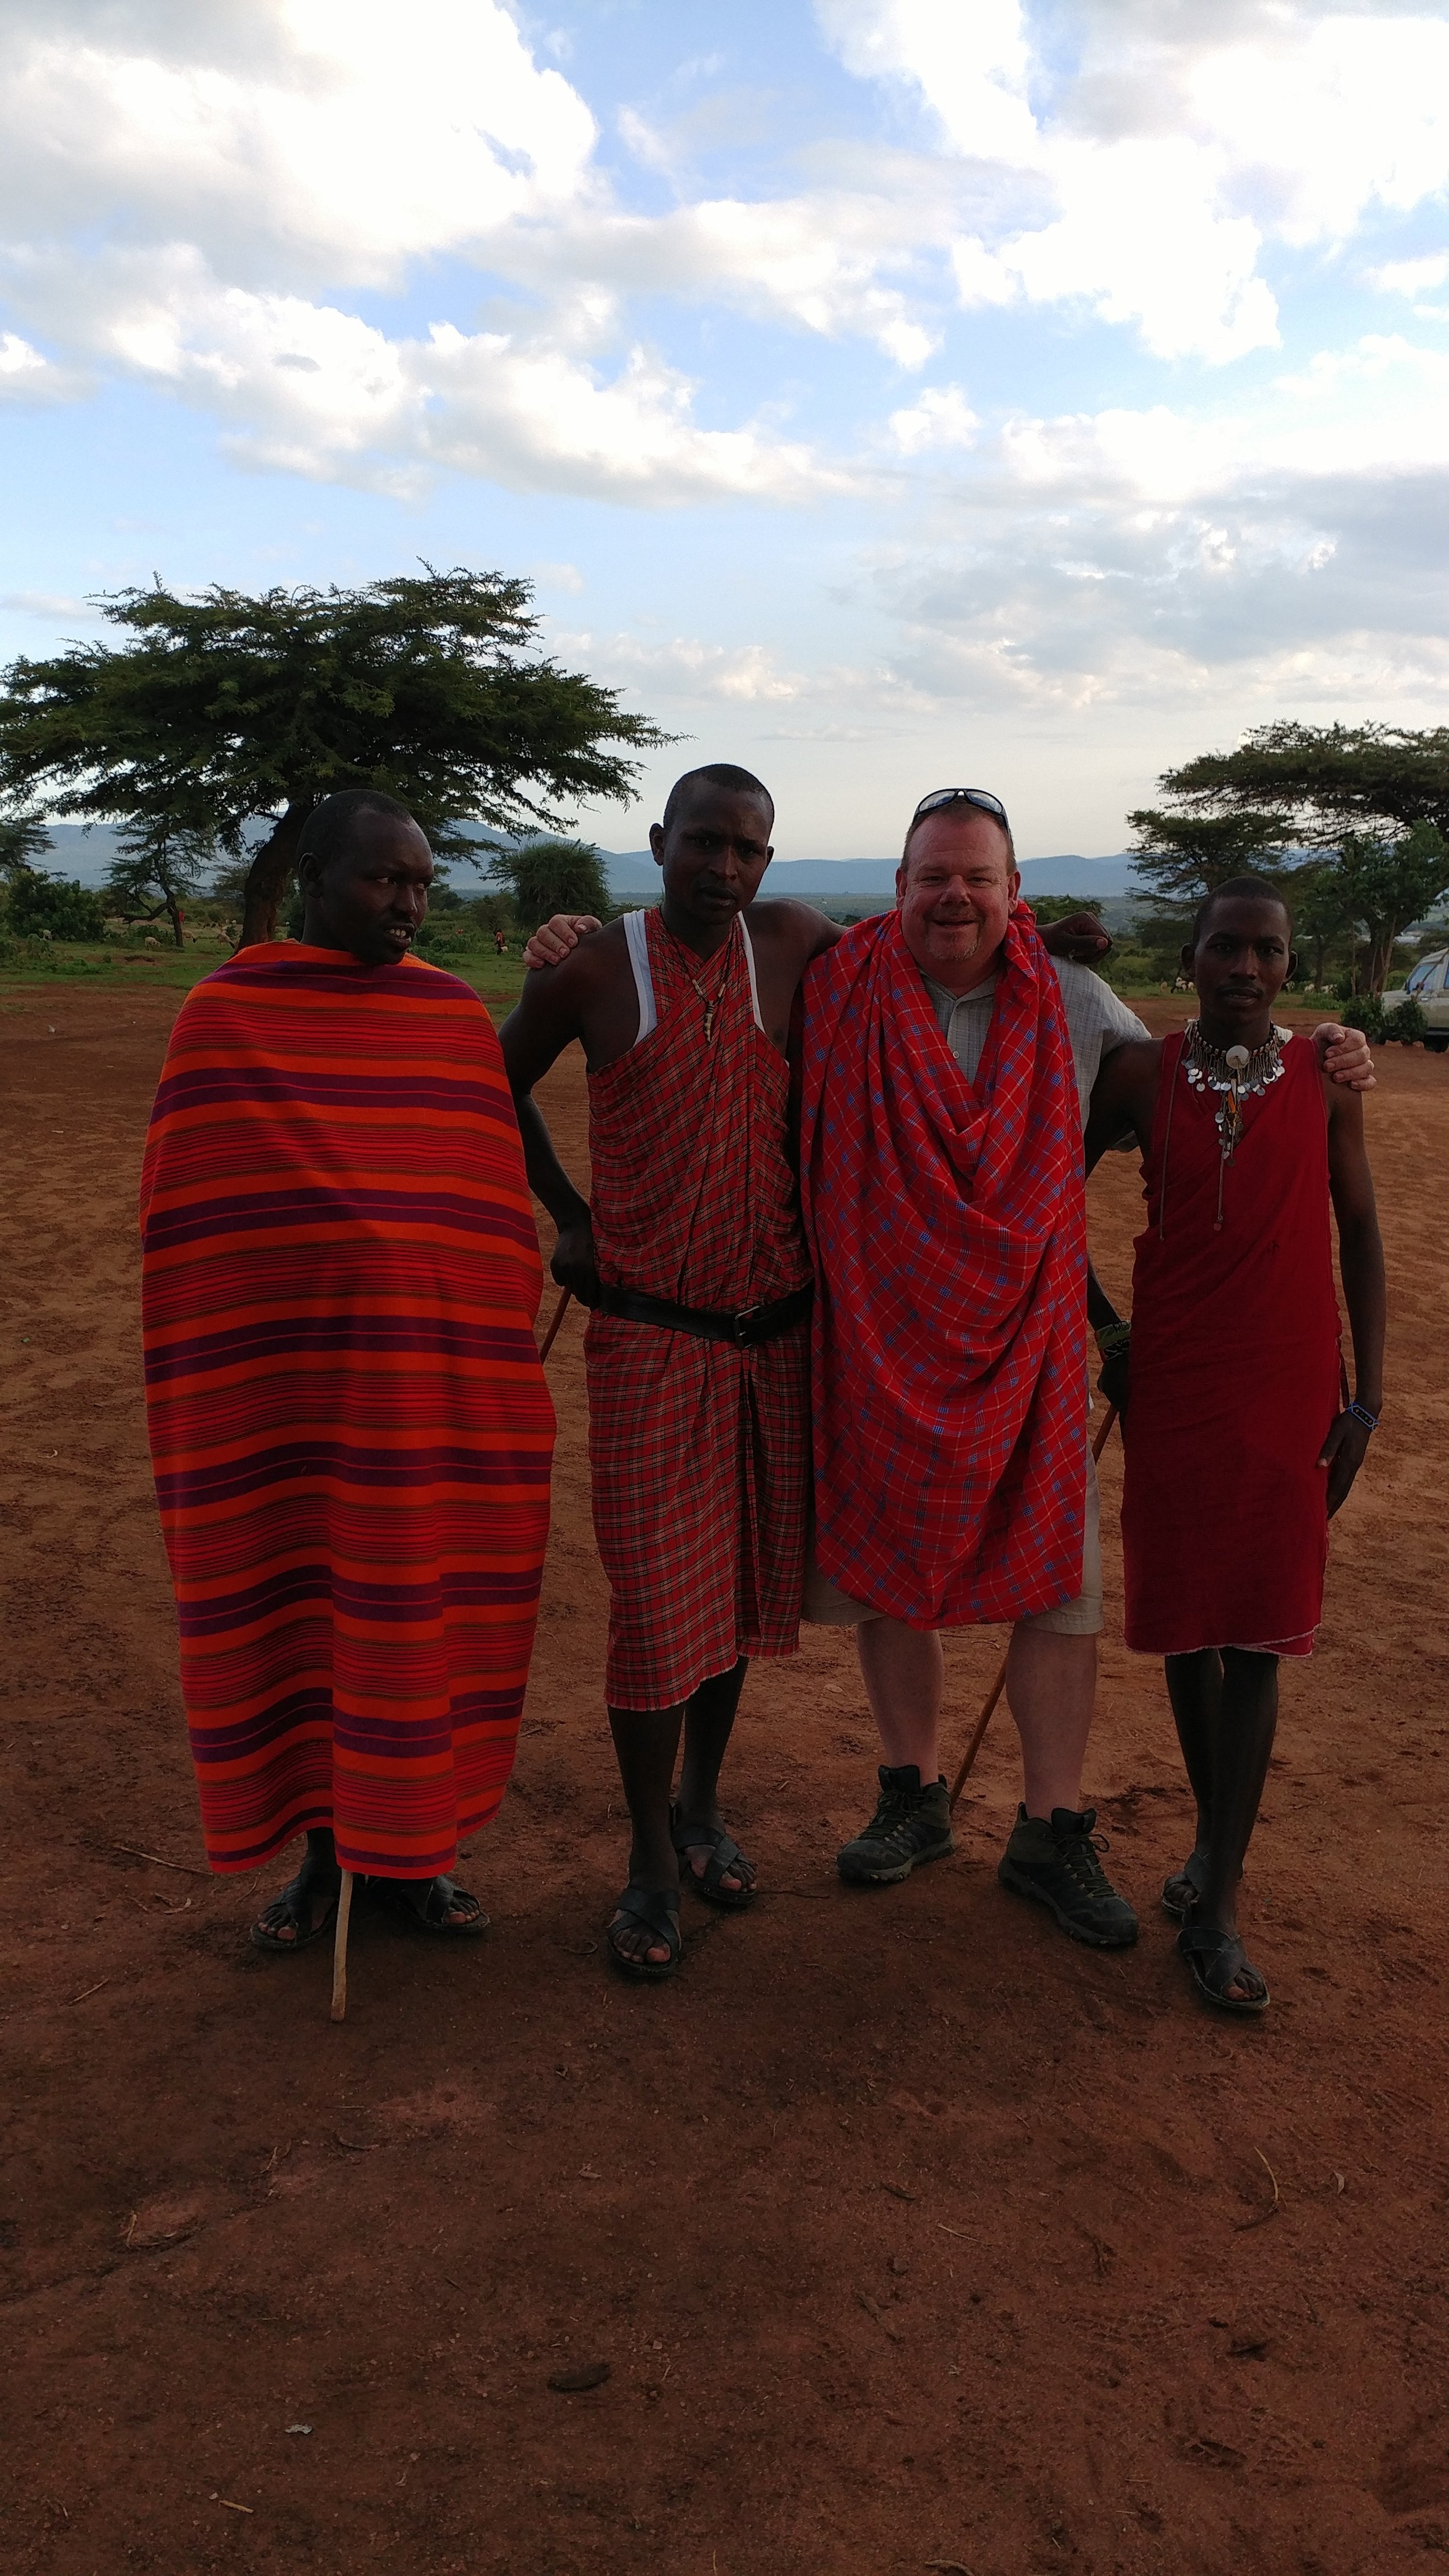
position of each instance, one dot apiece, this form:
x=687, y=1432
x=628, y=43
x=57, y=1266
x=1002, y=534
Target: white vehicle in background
x=1429, y=987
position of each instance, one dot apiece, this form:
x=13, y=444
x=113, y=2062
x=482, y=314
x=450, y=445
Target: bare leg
x=1195, y=1688
x=1233, y=1741
x=646, y=1741
x=904, y=1673
x=1051, y=1683
x=1246, y=1729
x=708, y=1719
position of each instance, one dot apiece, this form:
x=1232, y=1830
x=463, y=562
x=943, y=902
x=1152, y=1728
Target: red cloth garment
x=350, y=1429
x=699, y=1450
x=1235, y=1372
x=946, y=1223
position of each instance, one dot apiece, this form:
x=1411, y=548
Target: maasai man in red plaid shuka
x=693, y=1261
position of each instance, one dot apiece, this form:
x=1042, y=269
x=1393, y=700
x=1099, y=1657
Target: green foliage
x=1386, y=884
x=1406, y=1024
x=1365, y=1011
x=544, y=877
x=224, y=708
x=1060, y=907
x=37, y=906
x=23, y=840
x=158, y=866
x=1331, y=778
x=1191, y=854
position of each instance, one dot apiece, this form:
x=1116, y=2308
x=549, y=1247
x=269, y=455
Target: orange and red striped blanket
x=350, y=1429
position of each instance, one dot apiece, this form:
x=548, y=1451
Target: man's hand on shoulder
x=1081, y=938
x=1344, y=1055
x=551, y=943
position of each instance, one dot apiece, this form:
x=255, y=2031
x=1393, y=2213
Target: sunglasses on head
x=940, y=796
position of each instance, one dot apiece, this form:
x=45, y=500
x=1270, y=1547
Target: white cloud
x=27, y=377
x=1410, y=276
x=313, y=390
x=1181, y=141
x=940, y=417
x=315, y=138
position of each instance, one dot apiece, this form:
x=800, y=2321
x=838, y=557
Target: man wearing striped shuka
x=350, y=1429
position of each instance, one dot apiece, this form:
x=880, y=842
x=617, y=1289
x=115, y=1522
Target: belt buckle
x=745, y=1316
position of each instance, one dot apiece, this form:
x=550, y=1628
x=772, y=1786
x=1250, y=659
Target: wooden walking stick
x=978, y=1734
x=551, y=1336
x=339, y=1949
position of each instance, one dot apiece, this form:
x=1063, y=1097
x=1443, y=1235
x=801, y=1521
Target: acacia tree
x=551, y=876
x=225, y=710
x=23, y=840
x=1389, y=884
x=1185, y=856
x=158, y=864
x=1332, y=778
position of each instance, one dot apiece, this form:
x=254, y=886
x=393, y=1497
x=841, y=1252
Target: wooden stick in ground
x=339, y=1949
x=978, y=1733
x=551, y=1336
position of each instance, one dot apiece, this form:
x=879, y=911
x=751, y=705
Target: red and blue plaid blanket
x=946, y=1223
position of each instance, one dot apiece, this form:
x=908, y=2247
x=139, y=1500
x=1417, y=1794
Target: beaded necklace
x=1236, y=1074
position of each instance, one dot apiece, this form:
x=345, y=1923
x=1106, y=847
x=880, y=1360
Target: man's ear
x=1187, y=955
x=1292, y=975
x=656, y=843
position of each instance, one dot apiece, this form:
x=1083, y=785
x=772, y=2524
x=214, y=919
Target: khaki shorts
x=826, y=1606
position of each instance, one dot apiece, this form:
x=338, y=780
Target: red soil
x=998, y=2255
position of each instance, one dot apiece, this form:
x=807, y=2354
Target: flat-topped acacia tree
x=220, y=711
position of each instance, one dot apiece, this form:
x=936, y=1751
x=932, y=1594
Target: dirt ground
x=998, y=2256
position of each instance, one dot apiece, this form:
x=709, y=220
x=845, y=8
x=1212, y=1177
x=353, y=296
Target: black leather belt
x=752, y=1324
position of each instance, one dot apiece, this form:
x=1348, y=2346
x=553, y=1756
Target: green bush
x=36, y=903
x=1365, y=1011
x=1405, y=1024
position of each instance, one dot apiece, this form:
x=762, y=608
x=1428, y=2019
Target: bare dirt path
x=912, y=2235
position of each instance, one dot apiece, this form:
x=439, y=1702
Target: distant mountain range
x=87, y=855
x=837, y=881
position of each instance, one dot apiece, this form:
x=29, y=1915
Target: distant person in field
x=1239, y=1445
x=500, y=942
x=349, y=1425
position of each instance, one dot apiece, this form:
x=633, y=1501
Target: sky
x=884, y=394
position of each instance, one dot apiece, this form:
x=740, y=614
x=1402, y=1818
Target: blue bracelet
x=1362, y=1414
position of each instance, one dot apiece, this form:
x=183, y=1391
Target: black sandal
x=725, y=1855
x=657, y=1909
x=1180, y=1893
x=1218, y=1960
x=434, y=1915
x=293, y=1906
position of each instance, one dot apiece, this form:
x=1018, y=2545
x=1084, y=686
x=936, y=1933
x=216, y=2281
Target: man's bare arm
x=1361, y=1263
x=548, y=1017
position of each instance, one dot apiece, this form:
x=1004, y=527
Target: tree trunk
x=174, y=910
x=271, y=874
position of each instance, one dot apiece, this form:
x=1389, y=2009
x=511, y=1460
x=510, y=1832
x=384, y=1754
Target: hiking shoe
x=1057, y=1864
x=911, y=1824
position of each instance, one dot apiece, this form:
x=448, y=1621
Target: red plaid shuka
x=947, y=1226
x=699, y=1451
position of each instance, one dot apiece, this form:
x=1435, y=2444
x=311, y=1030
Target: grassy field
x=496, y=979
x=128, y=962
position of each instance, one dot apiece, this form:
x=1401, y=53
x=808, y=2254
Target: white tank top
x=637, y=937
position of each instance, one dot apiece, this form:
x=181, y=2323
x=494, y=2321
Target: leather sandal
x=1218, y=1961
x=657, y=1910
x=435, y=1913
x=725, y=1856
